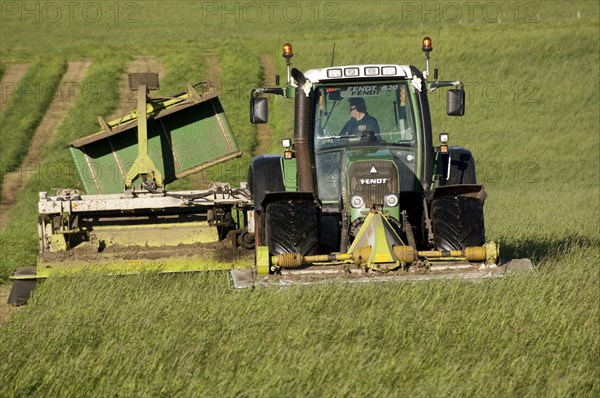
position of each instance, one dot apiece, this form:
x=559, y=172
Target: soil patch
x=214, y=72
x=10, y=79
x=263, y=131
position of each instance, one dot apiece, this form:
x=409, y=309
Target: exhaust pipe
x=301, y=135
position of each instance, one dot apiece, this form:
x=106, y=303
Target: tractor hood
x=373, y=169
x=405, y=160
x=368, y=153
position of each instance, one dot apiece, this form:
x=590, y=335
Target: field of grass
x=531, y=73
x=32, y=97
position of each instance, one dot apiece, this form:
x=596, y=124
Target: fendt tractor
x=360, y=193
x=362, y=183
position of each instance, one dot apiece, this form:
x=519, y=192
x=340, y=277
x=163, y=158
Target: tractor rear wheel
x=457, y=222
x=292, y=225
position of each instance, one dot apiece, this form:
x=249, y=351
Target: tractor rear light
x=391, y=200
x=388, y=70
x=286, y=143
x=444, y=148
x=357, y=202
x=371, y=71
x=332, y=73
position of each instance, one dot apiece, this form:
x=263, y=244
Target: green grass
x=133, y=24
x=240, y=74
x=25, y=110
x=19, y=239
x=537, y=152
x=188, y=335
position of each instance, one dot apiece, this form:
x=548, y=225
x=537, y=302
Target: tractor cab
x=366, y=137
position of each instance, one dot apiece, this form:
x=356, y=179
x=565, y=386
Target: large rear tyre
x=292, y=226
x=457, y=222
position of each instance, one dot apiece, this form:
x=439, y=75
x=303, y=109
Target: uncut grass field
x=531, y=73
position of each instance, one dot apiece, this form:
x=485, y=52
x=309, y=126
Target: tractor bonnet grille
x=373, y=180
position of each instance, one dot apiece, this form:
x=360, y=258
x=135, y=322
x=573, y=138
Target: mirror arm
x=435, y=85
x=274, y=90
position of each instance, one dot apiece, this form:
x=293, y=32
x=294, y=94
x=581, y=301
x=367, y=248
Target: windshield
x=370, y=114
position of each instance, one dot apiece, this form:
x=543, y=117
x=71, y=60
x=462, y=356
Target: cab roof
x=353, y=72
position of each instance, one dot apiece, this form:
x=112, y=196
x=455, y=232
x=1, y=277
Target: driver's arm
x=374, y=125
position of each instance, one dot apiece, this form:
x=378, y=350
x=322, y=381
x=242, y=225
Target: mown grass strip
x=25, y=110
x=241, y=73
x=96, y=97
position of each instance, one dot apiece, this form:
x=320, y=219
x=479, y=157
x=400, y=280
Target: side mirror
x=455, y=102
x=259, y=110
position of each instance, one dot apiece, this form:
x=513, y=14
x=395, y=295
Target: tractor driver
x=361, y=123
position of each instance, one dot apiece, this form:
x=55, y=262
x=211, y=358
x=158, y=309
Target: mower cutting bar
x=247, y=278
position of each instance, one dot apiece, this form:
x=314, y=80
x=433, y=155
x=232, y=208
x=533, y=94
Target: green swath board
x=186, y=134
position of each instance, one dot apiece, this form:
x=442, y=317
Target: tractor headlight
x=391, y=200
x=357, y=202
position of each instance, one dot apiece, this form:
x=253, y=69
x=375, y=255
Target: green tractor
x=361, y=188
